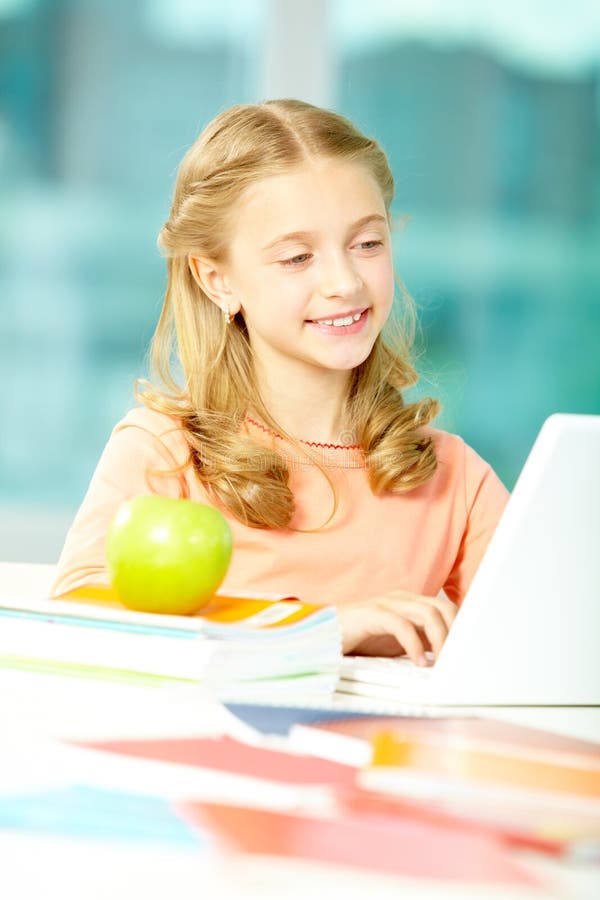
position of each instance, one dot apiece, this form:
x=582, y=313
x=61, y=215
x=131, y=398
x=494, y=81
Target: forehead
x=311, y=196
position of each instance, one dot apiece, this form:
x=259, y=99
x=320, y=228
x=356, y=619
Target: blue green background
x=492, y=127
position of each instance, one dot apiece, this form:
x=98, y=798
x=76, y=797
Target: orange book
x=526, y=785
x=480, y=761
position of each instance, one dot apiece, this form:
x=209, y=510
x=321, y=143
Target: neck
x=309, y=408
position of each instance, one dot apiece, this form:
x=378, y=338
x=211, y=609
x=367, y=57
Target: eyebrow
x=299, y=235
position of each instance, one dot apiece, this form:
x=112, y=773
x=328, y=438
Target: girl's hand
x=395, y=623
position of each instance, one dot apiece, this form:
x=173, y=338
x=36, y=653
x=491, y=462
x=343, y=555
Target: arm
x=127, y=468
x=405, y=622
x=485, y=500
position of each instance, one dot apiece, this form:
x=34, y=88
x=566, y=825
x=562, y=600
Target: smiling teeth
x=348, y=320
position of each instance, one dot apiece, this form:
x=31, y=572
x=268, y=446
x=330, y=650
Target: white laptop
x=528, y=630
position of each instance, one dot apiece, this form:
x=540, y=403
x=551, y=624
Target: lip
x=340, y=315
x=339, y=331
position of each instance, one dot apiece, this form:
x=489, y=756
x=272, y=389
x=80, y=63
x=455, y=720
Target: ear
x=209, y=276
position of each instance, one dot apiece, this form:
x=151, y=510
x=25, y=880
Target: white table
x=35, y=710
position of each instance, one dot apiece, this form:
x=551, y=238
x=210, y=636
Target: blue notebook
x=279, y=719
x=89, y=812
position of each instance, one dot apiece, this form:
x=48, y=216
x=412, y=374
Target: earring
x=228, y=316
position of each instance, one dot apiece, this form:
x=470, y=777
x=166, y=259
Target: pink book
x=225, y=754
x=393, y=844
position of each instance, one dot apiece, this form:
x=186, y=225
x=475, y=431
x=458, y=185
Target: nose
x=339, y=278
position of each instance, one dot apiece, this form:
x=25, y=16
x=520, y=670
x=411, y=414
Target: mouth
x=352, y=314
x=352, y=323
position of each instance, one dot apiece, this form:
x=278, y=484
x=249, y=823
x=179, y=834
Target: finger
x=426, y=615
x=405, y=632
x=434, y=626
x=445, y=607
x=363, y=622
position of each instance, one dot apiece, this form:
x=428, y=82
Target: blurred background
x=490, y=115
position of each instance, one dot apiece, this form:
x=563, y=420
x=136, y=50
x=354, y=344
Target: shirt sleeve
x=135, y=461
x=485, y=500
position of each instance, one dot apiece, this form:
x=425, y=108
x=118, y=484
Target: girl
x=287, y=414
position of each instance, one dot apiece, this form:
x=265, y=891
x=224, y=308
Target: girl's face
x=310, y=245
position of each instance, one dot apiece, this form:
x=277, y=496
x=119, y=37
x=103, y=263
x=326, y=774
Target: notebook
x=255, y=645
x=528, y=631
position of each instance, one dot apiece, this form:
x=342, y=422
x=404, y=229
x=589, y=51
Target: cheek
x=382, y=284
x=273, y=303
x=288, y=293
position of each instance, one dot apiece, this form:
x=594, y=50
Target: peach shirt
x=430, y=538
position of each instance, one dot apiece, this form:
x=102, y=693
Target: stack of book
x=463, y=800
x=250, y=644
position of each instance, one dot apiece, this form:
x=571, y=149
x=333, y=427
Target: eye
x=372, y=243
x=295, y=260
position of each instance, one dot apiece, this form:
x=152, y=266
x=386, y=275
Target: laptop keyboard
x=385, y=670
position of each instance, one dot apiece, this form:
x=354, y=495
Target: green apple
x=167, y=556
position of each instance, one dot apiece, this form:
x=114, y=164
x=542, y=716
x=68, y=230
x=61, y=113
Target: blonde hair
x=240, y=146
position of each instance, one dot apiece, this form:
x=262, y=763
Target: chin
x=348, y=364
x=357, y=356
